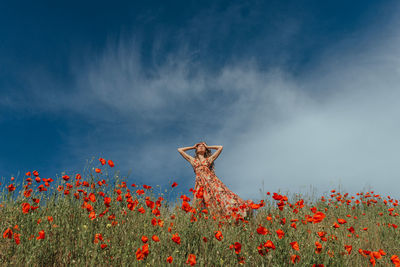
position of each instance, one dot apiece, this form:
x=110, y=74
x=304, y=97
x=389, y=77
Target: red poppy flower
x=107, y=201
x=102, y=161
x=92, y=215
x=376, y=254
x=17, y=239
x=146, y=186
x=27, y=193
x=395, y=260
x=372, y=260
x=295, y=245
x=318, y=247
x=383, y=253
x=237, y=247
x=218, y=235
x=150, y=204
x=110, y=163
x=191, y=259
x=42, y=188
x=169, y=259
x=11, y=188
x=41, y=235
x=26, y=207
x=318, y=217
x=348, y=248
x=8, y=233
x=262, y=230
x=351, y=229
x=269, y=244
x=186, y=206
x=143, y=252
x=294, y=258
x=280, y=233
x=176, y=238
x=92, y=197
x=97, y=237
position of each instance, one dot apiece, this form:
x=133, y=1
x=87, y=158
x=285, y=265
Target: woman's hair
x=206, y=155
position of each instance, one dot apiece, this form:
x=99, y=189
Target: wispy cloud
x=346, y=134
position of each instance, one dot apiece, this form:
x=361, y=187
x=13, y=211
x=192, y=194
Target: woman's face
x=201, y=149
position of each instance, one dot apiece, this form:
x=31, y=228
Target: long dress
x=217, y=198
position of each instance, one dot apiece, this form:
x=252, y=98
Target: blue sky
x=303, y=95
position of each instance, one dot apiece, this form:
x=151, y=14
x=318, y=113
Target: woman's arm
x=186, y=148
x=214, y=147
x=216, y=154
x=182, y=150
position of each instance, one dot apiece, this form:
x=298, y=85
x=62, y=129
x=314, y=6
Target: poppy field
x=93, y=218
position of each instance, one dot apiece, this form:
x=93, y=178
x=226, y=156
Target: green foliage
x=70, y=235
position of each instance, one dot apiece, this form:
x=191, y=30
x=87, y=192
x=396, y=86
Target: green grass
x=69, y=237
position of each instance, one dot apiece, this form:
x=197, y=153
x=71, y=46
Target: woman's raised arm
x=214, y=147
x=216, y=154
x=182, y=150
x=185, y=148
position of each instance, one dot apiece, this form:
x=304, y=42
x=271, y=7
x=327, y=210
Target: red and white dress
x=217, y=197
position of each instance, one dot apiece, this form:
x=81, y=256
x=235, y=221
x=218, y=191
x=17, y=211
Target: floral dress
x=220, y=201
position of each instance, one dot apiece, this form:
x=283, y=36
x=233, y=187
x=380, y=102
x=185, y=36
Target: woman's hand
x=201, y=143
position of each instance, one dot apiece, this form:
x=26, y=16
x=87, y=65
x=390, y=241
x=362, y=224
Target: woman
x=220, y=201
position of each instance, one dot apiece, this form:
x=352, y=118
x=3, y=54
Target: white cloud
x=347, y=135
